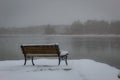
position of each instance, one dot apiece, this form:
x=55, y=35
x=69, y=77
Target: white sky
x=20, y=13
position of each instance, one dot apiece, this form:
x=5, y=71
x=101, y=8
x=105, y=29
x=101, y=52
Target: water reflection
x=100, y=48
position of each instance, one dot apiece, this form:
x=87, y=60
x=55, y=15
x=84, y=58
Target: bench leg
x=59, y=60
x=66, y=60
x=32, y=61
x=25, y=58
x=63, y=58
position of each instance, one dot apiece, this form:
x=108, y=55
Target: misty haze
x=87, y=29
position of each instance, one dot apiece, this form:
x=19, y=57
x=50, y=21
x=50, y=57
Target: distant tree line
x=76, y=28
x=95, y=27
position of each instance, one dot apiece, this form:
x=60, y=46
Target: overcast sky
x=20, y=13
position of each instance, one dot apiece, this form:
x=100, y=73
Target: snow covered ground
x=47, y=69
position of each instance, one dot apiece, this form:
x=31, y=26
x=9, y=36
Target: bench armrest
x=62, y=53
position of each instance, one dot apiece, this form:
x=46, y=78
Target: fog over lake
x=20, y=22
x=103, y=48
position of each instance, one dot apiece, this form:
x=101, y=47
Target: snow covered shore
x=47, y=69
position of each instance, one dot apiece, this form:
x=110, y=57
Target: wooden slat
x=40, y=49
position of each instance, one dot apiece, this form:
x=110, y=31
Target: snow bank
x=47, y=69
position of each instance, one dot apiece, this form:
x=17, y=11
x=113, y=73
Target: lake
x=102, y=48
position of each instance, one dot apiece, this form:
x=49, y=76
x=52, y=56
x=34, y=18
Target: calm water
x=104, y=49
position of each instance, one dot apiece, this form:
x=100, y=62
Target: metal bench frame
x=31, y=51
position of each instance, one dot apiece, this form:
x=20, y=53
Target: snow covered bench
x=44, y=50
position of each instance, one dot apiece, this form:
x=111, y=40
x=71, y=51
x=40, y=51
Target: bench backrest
x=40, y=49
